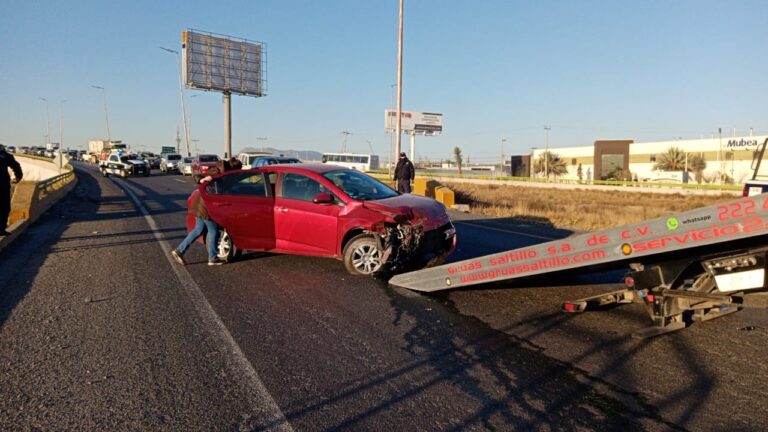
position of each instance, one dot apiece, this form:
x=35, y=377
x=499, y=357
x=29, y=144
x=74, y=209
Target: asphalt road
x=100, y=330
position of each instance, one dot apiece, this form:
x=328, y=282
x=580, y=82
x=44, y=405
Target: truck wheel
x=363, y=257
x=225, y=249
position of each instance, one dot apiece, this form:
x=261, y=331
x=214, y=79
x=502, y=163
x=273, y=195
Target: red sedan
x=328, y=211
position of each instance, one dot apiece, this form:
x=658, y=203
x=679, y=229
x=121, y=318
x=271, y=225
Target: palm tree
x=554, y=165
x=457, y=157
x=697, y=164
x=672, y=160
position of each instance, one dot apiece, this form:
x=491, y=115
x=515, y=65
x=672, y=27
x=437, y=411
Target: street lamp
x=47, y=122
x=61, y=123
x=501, y=165
x=546, y=151
x=106, y=113
x=189, y=119
x=181, y=97
x=261, y=139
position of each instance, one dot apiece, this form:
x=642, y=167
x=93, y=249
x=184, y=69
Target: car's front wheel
x=362, y=256
x=225, y=248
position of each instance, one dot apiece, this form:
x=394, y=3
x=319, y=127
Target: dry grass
x=577, y=209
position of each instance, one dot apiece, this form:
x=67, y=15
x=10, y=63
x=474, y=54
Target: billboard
x=225, y=64
x=418, y=122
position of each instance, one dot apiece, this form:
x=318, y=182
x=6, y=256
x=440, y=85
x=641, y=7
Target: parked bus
x=360, y=162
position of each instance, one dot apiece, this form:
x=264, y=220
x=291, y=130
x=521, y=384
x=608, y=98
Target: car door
x=242, y=202
x=302, y=226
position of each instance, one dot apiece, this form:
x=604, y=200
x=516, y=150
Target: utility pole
x=546, y=151
x=344, y=144
x=262, y=139
x=399, y=127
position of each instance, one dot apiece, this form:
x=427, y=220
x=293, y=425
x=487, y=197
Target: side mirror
x=322, y=198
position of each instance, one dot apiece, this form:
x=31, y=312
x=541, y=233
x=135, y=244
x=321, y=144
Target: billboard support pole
x=227, y=125
x=413, y=146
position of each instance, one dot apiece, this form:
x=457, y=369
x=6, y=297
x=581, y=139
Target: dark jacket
x=404, y=170
x=8, y=161
x=198, y=208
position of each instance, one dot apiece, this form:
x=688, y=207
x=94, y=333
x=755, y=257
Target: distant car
x=11, y=149
x=272, y=160
x=151, y=159
x=185, y=166
x=201, y=165
x=247, y=158
x=169, y=162
x=327, y=211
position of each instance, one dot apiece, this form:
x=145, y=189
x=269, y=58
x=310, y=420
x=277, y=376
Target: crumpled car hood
x=412, y=209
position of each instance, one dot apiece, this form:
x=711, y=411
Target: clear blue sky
x=645, y=70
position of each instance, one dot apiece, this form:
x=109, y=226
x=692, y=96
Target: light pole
x=181, y=97
x=399, y=120
x=719, y=150
x=61, y=124
x=189, y=119
x=262, y=139
x=546, y=151
x=501, y=165
x=47, y=122
x=106, y=113
x=533, y=161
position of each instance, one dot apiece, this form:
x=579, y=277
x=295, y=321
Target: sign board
x=168, y=150
x=221, y=63
x=418, y=122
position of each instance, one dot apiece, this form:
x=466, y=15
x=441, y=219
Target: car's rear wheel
x=362, y=256
x=225, y=248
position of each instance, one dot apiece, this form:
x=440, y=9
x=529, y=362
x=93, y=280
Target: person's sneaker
x=215, y=261
x=177, y=256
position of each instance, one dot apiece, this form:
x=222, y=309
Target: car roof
x=318, y=168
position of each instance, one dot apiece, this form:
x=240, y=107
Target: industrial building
x=726, y=159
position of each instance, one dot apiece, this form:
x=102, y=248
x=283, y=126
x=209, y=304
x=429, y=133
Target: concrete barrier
x=31, y=199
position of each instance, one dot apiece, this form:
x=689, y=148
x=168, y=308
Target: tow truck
x=692, y=266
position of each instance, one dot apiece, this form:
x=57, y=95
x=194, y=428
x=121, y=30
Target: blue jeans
x=197, y=231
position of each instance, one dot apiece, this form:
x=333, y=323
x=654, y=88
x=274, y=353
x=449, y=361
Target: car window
x=240, y=183
x=359, y=186
x=209, y=158
x=174, y=157
x=299, y=187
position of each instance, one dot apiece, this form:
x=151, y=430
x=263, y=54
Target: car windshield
x=174, y=157
x=188, y=160
x=126, y=158
x=360, y=186
x=208, y=158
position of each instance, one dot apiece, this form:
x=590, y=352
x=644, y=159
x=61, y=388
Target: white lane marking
x=263, y=404
x=180, y=181
x=506, y=230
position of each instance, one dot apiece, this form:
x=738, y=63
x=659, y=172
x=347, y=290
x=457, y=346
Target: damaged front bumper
x=406, y=246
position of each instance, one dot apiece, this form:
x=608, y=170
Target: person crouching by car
x=202, y=221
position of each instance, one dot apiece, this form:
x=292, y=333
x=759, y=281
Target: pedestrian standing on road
x=404, y=174
x=7, y=162
x=202, y=222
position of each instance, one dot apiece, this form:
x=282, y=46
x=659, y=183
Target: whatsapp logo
x=672, y=224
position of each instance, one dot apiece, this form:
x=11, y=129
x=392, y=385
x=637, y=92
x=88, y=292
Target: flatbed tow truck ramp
x=693, y=266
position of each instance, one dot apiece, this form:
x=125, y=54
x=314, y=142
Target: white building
x=728, y=156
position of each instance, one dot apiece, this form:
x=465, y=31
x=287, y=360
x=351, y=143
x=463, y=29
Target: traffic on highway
x=293, y=341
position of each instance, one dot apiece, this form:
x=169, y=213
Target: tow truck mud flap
x=716, y=224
